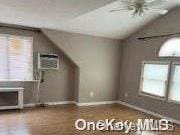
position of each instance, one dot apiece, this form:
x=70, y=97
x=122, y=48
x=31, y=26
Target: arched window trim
x=167, y=44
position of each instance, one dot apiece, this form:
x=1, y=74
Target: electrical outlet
x=92, y=94
x=126, y=95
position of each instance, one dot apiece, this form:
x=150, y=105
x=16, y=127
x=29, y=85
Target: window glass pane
x=175, y=92
x=171, y=48
x=175, y=85
x=154, y=87
x=20, y=58
x=154, y=79
x=3, y=58
x=176, y=76
x=157, y=72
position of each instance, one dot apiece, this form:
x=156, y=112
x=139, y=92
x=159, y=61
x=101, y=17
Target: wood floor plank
x=59, y=120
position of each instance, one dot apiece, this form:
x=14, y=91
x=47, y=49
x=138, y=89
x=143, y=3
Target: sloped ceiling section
x=80, y=16
x=57, y=37
x=46, y=13
x=117, y=25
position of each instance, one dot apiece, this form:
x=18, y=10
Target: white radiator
x=19, y=91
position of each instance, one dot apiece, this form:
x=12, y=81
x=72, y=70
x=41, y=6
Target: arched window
x=170, y=48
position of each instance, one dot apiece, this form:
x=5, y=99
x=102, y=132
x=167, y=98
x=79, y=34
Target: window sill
x=152, y=96
x=173, y=102
x=19, y=81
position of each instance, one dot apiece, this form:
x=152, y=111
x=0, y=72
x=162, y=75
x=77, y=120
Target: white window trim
x=171, y=77
x=141, y=93
x=32, y=40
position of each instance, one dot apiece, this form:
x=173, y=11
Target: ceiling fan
x=140, y=7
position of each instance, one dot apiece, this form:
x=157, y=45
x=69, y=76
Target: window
x=174, y=92
x=171, y=48
x=154, y=79
x=16, y=59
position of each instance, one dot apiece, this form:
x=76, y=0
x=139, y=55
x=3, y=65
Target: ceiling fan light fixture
x=138, y=12
x=140, y=7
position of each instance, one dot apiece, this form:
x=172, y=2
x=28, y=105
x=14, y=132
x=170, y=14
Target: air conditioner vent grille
x=48, y=61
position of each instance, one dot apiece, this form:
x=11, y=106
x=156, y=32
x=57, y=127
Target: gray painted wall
x=97, y=69
x=135, y=51
x=98, y=62
x=59, y=85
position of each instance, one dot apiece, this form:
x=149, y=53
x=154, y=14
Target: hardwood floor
x=60, y=120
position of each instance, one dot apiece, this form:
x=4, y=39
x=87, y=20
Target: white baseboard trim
x=50, y=103
x=60, y=103
x=29, y=105
x=95, y=103
x=148, y=112
x=74, y=102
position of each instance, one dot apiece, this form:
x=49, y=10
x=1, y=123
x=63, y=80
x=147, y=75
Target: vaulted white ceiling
x=80, y=16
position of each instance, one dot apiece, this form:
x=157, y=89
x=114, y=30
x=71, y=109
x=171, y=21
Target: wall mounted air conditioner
x=48, y=61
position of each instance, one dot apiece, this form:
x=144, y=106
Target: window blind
x=16, y=58
x=154, y=79
x=3, y=58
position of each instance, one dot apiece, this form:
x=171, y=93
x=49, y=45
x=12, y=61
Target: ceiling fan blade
x=149, y=1
x=126, y=3
x=153, y=3
x=116, y=10
x=159, y=11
